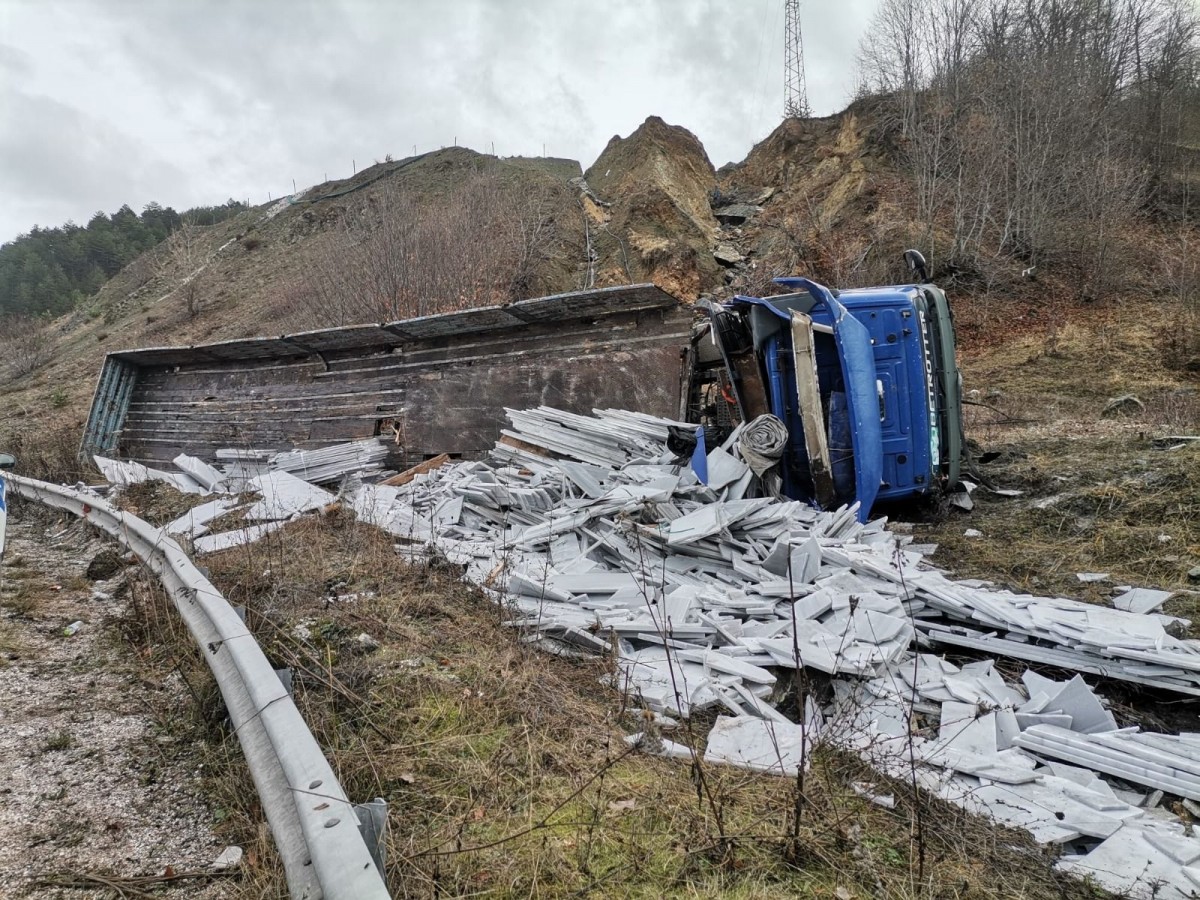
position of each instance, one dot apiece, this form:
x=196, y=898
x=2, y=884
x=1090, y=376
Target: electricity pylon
x=795, y=92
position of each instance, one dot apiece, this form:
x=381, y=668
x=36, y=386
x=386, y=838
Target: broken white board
x=223, y=540
x=123, y=473
x=762, y=745
x=200, y=472
x=1141, y=600
x=284, y=495
x=194, y=522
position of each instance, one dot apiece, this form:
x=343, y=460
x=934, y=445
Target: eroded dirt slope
x=657, y=224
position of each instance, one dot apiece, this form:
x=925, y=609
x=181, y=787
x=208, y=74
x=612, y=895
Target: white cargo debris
x=194, y=522
x=1149, y=863
x=240, y=466
x=759, y=744
x=1068, y=634
x=599, y=540
x=1141, y=600
x=772, y=583
x=123, y=473
x=327, y=464
x=707, y=594
x=200, y=472
x=868, y=793
x=210, y=543
x=1167, y=762
x=284, y=496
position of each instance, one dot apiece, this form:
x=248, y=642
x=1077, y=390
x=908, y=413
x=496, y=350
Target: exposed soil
x=659, y=225
x=90, y=785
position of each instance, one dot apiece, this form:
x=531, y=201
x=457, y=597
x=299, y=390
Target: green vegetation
x=51, y=270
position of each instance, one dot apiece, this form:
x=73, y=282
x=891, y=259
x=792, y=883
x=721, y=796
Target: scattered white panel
x=284, y=495
x=1141, y=600
x=1141, y=863
x=210, y=543
x=962, y=730
x=201, y=472
x=194, y=522
x=123, y=473
x=1078, y=701
x=759, y=744
x=710, y=519
x=724, y=469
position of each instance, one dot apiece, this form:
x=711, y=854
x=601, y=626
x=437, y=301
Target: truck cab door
x=857, y=358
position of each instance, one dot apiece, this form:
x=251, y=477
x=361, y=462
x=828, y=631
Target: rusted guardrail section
x=316, y=828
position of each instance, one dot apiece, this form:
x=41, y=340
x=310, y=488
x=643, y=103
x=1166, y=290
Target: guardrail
x=316, y=828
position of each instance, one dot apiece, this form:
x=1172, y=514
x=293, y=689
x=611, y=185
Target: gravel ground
x=88, y=784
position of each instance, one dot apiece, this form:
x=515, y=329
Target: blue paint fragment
x=700, y=458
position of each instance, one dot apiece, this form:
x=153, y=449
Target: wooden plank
x=523, y=445
x=408, y=475
x=812, y=413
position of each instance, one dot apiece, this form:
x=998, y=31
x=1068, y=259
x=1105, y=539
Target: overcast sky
x=190, y=102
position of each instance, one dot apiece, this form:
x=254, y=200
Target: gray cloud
x=192, y=101
x=68, y=163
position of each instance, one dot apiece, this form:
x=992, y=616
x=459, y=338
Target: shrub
x=25, y=345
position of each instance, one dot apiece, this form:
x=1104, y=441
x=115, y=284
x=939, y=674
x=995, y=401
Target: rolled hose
x=762, y=442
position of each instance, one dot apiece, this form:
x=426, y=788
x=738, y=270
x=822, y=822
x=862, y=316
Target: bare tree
x=25, y=344
x=1033, y=130
x=184, y=256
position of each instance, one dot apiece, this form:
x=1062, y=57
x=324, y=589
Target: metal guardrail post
x=372, y=822
x=325, y=856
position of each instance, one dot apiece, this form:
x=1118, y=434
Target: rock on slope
x=658, y=225
x=828, y=193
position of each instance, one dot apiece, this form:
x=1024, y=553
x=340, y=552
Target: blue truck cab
x=864, y=380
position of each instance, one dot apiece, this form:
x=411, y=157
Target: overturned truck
x=867, y=411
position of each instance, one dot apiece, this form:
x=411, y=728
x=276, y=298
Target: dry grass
x=164, y=650
x=1116, y=505
x=44, y=450
x=1112, y=502
x=23, y=592
x=157, y=502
